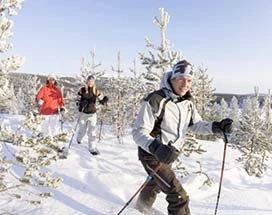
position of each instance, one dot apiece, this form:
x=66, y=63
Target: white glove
x=40, y=102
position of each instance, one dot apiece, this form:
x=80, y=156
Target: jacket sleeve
x=100, y=96
x=40, y=94
x=143, y=126
x=60, y=99
x=198, y=125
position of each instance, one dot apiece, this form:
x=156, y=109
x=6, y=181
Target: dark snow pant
x=176, y=196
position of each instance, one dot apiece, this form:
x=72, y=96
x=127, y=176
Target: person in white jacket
x=159, y=130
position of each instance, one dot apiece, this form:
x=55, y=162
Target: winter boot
x=94, y=151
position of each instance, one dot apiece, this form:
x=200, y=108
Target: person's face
x=90, y=83
x=181, y=85
x=51, y=81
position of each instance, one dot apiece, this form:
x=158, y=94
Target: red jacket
x=52, y=99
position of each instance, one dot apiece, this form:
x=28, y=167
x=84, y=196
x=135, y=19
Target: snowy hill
x=101, y=185
x=69, y=83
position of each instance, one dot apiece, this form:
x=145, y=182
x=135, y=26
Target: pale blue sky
x=233, y=38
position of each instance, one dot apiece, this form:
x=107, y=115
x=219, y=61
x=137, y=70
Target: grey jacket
x=179, y=115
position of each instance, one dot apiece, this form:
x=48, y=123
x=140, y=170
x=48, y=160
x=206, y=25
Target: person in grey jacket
x=160, y=129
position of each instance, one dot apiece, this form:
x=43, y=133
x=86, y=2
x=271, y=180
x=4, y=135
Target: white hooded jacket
x=179, y=115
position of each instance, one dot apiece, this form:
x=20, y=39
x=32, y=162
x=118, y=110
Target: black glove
x=62, y=110
x=164, y=153
x=104, y=101
x=225, y=125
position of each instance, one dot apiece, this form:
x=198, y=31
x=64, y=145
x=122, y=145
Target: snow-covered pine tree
x=118, y=105
x=90, y=68
x=21, y=148
x=29, y=86
x=31, y=153
x=224, y=109
x=7, y=8
x=251, y=138
x=20, y=96
x=204, y=98
x=203, y=93
x=267, y=129
x=136, y=93
x=234, y=112
x=160, y=57
x=12, y=100
x=215, y=109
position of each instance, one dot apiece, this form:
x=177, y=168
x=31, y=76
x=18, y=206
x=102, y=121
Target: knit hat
x=90, y=77
x=182, y=68
x=51, y=76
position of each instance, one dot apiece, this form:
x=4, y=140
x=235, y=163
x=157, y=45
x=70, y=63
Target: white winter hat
x=182, y=68
x=51, y=76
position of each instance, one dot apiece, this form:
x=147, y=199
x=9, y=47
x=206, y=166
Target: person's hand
x=104, y=101
x=62, y=110
x=35, y=112
x=164, y=153
x=40, y=102
x=225, y=125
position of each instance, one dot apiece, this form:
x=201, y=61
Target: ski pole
x=101, y=122
x=154, y=173
x=70, y=143
x=222, y=170
x=149, y=177
x=80, y=113
x=61, y=119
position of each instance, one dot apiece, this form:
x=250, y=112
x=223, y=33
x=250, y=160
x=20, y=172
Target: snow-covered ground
x=101, y=185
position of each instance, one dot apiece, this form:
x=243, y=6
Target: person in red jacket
x=50, y=100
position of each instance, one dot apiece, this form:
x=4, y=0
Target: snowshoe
x=94, y=152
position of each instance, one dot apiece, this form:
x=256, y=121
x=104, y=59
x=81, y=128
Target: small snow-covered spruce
x=159, y=58
x=12, y=63
x=204, y=98
x=90, y=68
x=234, y=112
x=224, y=109
x=190, y=146
x=251, y=137
x=136, y=93
x=7, y=8
x=31, y=153
x=23, y=153
x=182, y=171
x=25, y=95
x=12, y=107
x=203, y=92
x=119, y=104
x=207, y=181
